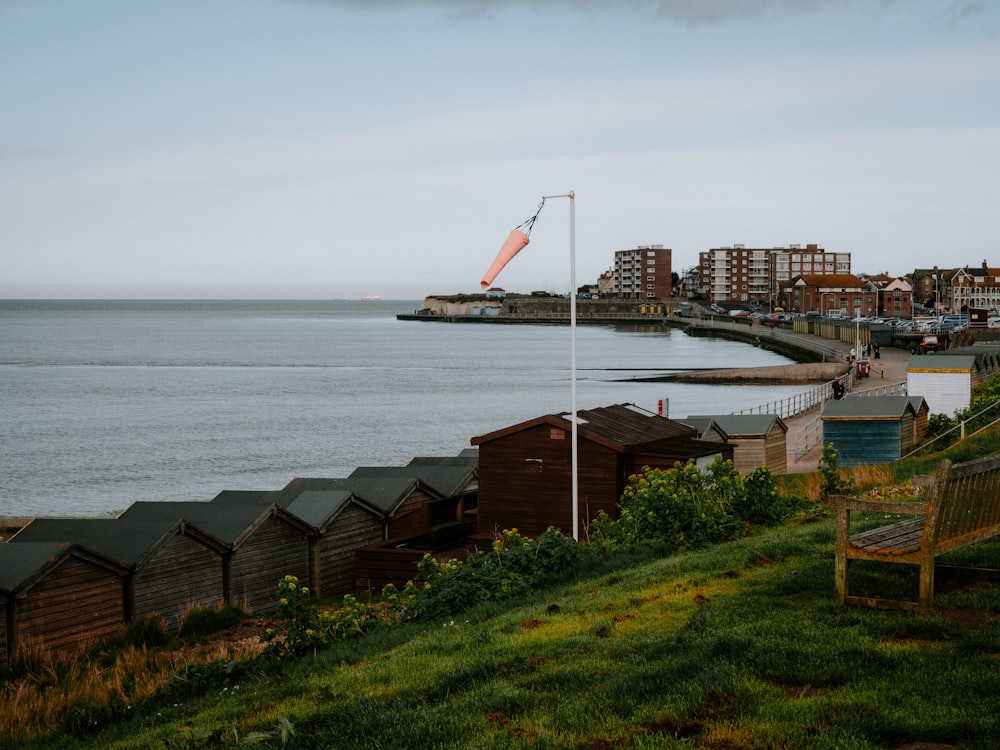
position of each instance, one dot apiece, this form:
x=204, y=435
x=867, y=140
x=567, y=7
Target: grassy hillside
x=737, y=646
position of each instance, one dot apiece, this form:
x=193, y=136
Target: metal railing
x=961, y=428
x=792, y=405
x=810, y=435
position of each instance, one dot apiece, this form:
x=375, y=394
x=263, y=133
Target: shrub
x=681, y=507
x=829, y=468
x=202, y=622
x=515, y=566
x=760, y=503
x=300, y=626
x=146, y=631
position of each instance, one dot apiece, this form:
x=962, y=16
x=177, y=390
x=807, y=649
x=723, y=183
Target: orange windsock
x=516, y=242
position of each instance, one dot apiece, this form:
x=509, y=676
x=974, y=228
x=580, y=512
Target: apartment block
x=742, y=274
x=643, y=273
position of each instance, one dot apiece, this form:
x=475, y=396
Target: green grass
x=737, y=646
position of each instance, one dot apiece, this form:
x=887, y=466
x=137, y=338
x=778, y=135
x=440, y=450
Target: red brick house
x=843, y=294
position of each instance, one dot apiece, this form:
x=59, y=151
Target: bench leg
x=927, y=584
x=840, y=558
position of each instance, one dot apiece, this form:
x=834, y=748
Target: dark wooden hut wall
x=76, y=604
x=354, y=528
x=411, y=517
x=525, y=481
x=181, y=575
x=274, y=550
x=6, y=611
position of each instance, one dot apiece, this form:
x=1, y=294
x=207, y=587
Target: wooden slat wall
x=182, y=575
x=353, y=529
x=274, y=550
x=76, y=604
x=524, y=482
x=864, y=442
x=4, y=650
x=919, y=426
x=378, y=567
x=409, y=519
x=748, y=454
x=776, y=451
x=907, y=433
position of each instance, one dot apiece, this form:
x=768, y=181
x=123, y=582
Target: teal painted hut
x=873, y=430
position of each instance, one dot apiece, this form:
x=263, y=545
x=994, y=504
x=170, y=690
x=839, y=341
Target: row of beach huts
x=66, y=582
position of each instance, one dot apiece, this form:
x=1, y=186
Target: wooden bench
x=960, y=508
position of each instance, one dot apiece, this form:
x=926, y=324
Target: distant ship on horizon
x=370, y=297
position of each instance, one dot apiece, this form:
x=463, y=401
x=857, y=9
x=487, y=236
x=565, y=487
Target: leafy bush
x=514, y=566
x=680, y=507
x=300, y=626
x=760, y=503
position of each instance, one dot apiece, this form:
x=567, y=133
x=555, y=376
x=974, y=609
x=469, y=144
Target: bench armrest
x=846, y=502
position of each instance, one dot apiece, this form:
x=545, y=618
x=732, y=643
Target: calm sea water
x=107, y=402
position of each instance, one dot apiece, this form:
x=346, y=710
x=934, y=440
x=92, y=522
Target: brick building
x=843, y=294
x=742, y=274
x=643, y=273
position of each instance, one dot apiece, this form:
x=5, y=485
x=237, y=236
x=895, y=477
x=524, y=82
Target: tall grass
x=39, y=694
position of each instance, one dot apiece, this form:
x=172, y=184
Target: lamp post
x=517, y=240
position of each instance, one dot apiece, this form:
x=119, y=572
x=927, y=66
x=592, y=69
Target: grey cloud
x=687, y=12
x=958, y=12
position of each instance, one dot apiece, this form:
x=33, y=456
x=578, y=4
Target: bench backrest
x=965, y=499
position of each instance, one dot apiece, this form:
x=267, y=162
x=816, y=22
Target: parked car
x=929, y=343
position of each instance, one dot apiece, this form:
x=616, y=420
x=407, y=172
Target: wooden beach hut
x=525, y=470
x=455, y=484
x=872, y=429
x=58, y=598
x=263, y=543
x=341, y=523
x=402, y=501
x=758, y=440
x=173, y=567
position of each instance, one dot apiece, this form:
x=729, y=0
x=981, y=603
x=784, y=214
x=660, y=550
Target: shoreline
x=798, y=374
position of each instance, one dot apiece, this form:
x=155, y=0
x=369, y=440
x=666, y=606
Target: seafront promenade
x=804, y=438
x=822, y=360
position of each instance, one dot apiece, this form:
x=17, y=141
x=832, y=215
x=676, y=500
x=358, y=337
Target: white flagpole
x=515, y=242
x=575, y=480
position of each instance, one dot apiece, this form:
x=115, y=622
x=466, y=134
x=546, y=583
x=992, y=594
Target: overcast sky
x=339, y=148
